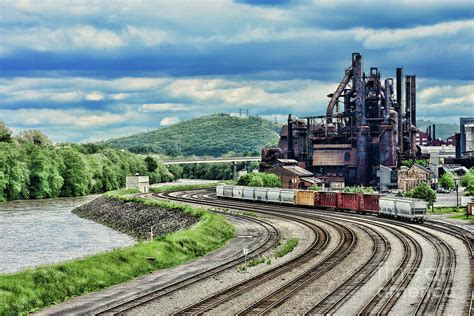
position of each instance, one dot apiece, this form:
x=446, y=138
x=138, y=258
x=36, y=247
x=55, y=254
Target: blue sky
x=90, y=70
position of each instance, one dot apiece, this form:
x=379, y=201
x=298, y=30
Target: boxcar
x=273, y=195
x=305, y=198
x=248, y=193
x=237, y=192
x=369, y=203
x=328, y=199
x=260, y=194
x=287, y=197
x=349, y=201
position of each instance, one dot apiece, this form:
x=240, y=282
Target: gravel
x=197, y=292
x=460, y=292
x=135, y=219
x=313, y=293
x=379, y=277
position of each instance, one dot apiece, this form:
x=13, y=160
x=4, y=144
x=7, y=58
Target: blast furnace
x=367, y=124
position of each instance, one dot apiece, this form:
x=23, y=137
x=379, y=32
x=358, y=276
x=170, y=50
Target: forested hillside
x=32, y=167
x=213, y=135
x=443, y=130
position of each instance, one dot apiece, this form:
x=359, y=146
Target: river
x=37, y=232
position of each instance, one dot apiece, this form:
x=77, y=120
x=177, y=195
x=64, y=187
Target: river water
x=37, y=232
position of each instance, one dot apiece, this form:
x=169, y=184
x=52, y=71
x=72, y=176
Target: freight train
x=405, y=209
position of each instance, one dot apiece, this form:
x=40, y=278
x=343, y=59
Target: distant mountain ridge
x=213, y=135
x=443, y=130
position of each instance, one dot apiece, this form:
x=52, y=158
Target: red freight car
x=349, y=201
x=369, y=203
x=328, y=199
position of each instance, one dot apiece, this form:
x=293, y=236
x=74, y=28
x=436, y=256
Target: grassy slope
x=213, y=135
x=36, y=288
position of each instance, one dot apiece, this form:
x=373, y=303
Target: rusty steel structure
x=368, y=122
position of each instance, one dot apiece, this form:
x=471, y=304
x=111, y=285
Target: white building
x=142, y=183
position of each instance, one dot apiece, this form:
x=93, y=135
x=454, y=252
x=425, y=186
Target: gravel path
x=310, y=295
x=195, y=293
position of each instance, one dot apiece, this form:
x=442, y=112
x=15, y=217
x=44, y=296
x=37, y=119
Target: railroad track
x=379, y=254
x=121, y=307
x=434, y=298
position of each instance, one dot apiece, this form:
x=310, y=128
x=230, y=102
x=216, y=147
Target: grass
x=184, y=187
x=456, y=212
x=449, y=210
x=288, y=247
x=33, y=289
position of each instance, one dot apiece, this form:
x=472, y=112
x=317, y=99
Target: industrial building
x=369, y=122
x=466, y=145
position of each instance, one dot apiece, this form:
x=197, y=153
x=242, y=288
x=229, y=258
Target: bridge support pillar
x=234, y=170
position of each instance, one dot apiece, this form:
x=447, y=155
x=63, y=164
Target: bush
x=260, y=179
x=358, y=189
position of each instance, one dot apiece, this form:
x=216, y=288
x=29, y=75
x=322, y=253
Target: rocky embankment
x=135, y=219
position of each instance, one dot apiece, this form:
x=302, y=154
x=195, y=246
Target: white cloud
x=162, y=107
x=119, y=96
x=94, y=96
x=169, y=120
x=389, y=38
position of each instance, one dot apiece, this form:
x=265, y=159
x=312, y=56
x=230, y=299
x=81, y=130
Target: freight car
x=412, y=210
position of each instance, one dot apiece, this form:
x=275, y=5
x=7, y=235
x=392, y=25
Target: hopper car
x=405, y=209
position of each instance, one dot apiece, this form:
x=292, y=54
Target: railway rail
x=435, y=296
x=121, y=307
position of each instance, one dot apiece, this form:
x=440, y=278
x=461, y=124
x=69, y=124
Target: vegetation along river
x=37, y=232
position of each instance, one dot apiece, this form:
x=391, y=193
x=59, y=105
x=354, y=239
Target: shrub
x=260, y=179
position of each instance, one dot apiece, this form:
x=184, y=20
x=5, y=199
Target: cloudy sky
x=90, y=70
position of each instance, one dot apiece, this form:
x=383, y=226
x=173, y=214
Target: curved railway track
x=436, y=294
x=271, y=241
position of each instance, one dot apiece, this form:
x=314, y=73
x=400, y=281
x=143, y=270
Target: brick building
x=409, y=178
x=291, y=175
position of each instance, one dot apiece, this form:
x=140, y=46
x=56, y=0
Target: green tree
x=447, y=181
x=34, y=137
x=260, y=179
x=5, y=133
x=151, y=164
x=75, y=173
x=45, y=180
x=424, y=192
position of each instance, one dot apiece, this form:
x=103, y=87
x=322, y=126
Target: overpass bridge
x=232, y=160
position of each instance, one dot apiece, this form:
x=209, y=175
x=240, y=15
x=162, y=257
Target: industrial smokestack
x=290, y=137
x=400, y=107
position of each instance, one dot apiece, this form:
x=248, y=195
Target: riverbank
x=34, y=289
x=135, y=219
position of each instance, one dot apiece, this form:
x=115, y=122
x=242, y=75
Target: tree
x=151, y=164
x=75, y=174
x=447, y=181
x=424, y=192
x=35, y=137
x=5, y=133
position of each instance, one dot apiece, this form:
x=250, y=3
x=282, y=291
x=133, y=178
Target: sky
x=84, y=71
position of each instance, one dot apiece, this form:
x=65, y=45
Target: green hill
x=213, y=135
x=443, y=130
